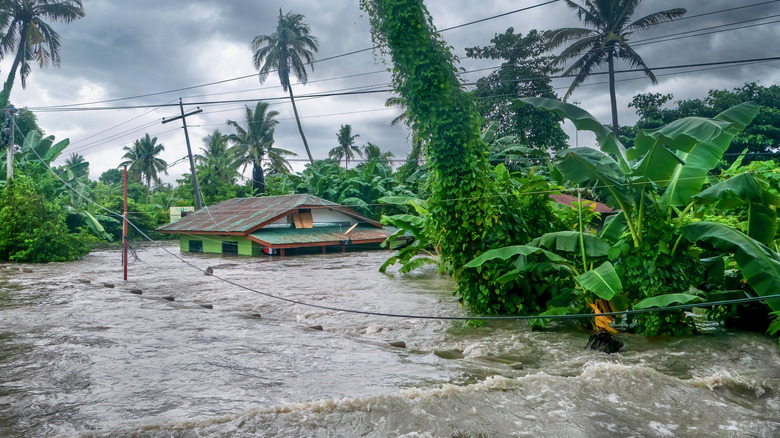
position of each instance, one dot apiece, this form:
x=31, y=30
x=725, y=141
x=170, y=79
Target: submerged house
x=283, y=225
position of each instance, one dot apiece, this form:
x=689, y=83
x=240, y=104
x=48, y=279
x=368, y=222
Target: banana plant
x=35, y=150
x=665, y=168
x=415, y=244
x=760, y=265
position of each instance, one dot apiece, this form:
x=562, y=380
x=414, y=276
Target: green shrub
x=33, y=228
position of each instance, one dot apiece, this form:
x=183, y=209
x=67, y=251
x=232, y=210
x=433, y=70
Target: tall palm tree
x=605, y=40
x=346, y=148
x=29, y=37
x=142, y=160
x=287, y=50
x=254, y=142
x=415, y=156
x=215, y=156
x=398, y=102
x=373, y=151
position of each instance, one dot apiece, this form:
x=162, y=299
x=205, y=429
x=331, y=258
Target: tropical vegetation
x=605, y=40
x=687, y=196
x=287, y=51
x=29, y=37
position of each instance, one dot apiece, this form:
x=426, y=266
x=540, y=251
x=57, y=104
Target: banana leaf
x=760, y=265
x=746, y=189
x=406, y=222
x=700, y=143
x=508, y=252
x=569, y=241
x=657, y=165
x=415, y=263
x=762, y=223
x=586, y=165
x=614, y=227
x=602, y=281
x=737, y=191
x=555, y=311
x=583, y=121
x=665, y=300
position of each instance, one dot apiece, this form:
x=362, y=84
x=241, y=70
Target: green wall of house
x=214, y=244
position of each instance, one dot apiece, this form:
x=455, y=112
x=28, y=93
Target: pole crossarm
x=183, y=117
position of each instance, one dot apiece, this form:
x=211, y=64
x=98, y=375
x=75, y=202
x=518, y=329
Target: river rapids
x=81, y=358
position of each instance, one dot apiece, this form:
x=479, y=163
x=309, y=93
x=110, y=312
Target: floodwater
x=78, y=358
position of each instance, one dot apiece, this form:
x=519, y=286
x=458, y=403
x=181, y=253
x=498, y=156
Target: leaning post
x=124, y=227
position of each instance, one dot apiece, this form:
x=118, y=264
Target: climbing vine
x=466, y=209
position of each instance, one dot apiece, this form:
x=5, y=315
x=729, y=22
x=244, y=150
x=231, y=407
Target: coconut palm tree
x=76, y=161
x=30, y=38
x=287, y=50
x=346, y=148
x=372, y=151
x=142, y=160
x=605, y=40
x=398, y=102
x=215, y=156
x=416, y=154
x=254, y=142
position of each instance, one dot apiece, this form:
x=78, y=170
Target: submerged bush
x=33, y=227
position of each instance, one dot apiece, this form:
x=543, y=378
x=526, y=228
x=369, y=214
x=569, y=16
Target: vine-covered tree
x=143, y=161
x=287, y=51
x=604, y=40
x=29, y=37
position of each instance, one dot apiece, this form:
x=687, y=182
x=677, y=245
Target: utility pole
x=183, y=117
x=10, y=111
x=124, y=227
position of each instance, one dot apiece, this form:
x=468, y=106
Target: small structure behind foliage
x=275, y=225
x=178, y=212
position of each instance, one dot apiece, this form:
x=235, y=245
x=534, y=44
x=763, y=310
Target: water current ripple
x=78, y=358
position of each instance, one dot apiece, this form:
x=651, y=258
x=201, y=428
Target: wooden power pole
x=10, y=111
x=124, y=227
x=183, y=117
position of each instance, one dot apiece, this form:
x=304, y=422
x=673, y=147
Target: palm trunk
x=5, y=95
x=300, y=129
x=258, y=179
x=612, y=98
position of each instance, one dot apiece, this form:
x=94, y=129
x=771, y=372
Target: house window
x=196, y=246
x=229, y=247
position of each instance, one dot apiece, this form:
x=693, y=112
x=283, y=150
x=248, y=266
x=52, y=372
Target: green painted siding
x=213, y=244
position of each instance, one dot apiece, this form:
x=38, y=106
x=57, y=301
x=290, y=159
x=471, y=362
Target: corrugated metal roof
x=295, y=236
x=241, y=215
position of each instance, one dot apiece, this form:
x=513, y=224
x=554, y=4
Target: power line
x=387, y=90
x=223, y=81
x=407, y=316
x=141, y=128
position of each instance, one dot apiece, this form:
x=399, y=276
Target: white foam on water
x=663, y=429
x=728, y=378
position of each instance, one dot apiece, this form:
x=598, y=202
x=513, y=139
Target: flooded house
x=283, y=225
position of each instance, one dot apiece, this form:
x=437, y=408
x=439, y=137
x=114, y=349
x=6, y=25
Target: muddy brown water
x=83, y=359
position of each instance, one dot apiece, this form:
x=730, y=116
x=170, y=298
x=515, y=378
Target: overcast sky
x=123, y=48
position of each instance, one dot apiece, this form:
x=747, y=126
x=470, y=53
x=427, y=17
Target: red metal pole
x=124, y=228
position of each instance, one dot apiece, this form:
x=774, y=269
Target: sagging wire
x=398, y=315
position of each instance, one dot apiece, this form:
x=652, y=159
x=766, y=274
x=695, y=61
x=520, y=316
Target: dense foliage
x=524, y=72
x=761, y=138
